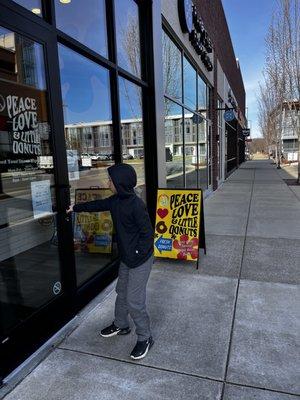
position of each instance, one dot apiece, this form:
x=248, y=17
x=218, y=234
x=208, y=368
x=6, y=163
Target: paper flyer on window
x=93, y=231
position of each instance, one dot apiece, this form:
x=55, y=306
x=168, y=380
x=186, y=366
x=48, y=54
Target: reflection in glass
x=85, y=21
x=171, y=68
x=29, y=266
x=220, y=137
x=202, y=151
x=189, y=84
x=34, y=6
x=202, y=96
x=128, y=36
x=89, y=142
x=23, y=60
x=190, y=148
x=133, y=131
x=174, y=145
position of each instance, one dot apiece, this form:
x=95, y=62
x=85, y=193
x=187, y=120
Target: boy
x=135, y=244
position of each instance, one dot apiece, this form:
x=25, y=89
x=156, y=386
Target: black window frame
x=167, y=29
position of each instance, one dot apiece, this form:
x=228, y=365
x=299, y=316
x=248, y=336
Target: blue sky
x=248, y=22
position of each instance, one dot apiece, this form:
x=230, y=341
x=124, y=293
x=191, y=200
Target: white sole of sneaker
x=143, y=355
x=110, y=335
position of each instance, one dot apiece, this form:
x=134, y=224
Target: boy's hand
x=70, y=209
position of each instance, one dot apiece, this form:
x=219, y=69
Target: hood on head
x=124, y=178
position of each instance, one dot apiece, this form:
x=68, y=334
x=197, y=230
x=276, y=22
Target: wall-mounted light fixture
x=65, y=1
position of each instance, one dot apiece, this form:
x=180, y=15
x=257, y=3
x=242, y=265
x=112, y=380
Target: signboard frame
x=201, y=226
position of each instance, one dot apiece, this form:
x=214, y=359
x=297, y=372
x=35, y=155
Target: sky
x=248, y=22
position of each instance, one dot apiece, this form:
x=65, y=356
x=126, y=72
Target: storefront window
x=189, y=84
x=34, y=6
x=220, y=137
x=172, y=71
x=29, y=265
x=133, y=131
x=202, y=152
x=190, y=148
x=89, y=141
x=174, y=145
x=186, y=157
x=85, y=21
x=202, y=96
x=128, y=36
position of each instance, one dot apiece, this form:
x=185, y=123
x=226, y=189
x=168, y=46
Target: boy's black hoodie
x=130, y=217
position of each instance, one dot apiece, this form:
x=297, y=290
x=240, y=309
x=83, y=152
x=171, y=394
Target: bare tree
x=282, y=74
x=266, y=116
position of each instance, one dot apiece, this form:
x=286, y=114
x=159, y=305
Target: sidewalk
x=229, y=331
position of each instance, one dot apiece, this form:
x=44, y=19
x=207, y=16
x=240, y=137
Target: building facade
x=290, y=129
x=146, y=83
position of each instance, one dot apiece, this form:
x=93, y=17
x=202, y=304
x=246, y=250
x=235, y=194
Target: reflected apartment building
x=155, y=84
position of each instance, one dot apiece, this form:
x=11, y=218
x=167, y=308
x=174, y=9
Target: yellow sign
x=93, y=231
x=178, y=222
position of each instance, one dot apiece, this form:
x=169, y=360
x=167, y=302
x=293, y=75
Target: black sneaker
x=141, y=349
x=113, y=330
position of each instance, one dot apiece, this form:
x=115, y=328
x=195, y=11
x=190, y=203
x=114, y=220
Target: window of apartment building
x=186, y=106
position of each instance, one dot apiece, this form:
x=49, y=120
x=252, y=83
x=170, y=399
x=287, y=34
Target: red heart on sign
x=162, y=212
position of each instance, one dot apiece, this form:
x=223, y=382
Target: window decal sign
x=179, y=226
x=93, y=231
x=24, y=128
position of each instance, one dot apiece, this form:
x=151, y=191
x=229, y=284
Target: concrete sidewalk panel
x=227, y=207
x=223, y=258
x=67, y=375
x=266, y=337
x=245, y=393
x=296, y=191
x=271, y=260
x=225, y=225
x=242, y=174
x=191, y=320
x=273, y=227
x=276, y=211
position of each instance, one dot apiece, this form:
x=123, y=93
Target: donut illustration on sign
x=161, y=227
x=106, y=225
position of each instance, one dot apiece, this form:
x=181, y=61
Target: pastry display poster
x=178, y=223
x=92, y=231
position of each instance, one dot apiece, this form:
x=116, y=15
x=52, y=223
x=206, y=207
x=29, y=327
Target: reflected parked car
x=127, y=156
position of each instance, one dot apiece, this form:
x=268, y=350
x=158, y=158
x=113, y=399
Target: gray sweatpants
x=131, y=298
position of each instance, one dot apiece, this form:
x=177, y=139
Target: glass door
x=32, y=285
